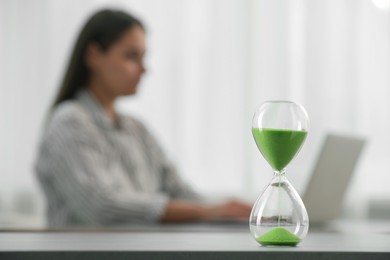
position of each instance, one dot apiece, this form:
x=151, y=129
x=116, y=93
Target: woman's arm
x=186, y=202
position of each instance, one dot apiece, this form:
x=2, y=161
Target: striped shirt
x=95, y=172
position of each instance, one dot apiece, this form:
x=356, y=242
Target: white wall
x=211, y=62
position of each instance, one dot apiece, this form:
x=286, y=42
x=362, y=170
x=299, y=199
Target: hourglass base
x=278, y=237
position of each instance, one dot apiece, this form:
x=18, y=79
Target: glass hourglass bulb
x=279, y=217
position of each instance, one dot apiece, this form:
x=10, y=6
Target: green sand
x=278, y=146
x=278, y=237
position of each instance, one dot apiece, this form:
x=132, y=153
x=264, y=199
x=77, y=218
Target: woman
x=101, y=168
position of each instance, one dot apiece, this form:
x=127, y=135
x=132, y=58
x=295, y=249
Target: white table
x=185, y=245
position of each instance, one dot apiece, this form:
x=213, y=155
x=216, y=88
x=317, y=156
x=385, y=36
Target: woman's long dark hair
x=103, y=28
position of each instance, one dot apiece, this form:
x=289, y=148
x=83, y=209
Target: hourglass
x=278, y=217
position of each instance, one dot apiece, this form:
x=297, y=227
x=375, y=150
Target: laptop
x=331, y=176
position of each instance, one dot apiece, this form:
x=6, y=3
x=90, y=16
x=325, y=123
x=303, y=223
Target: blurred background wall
x=210, y=63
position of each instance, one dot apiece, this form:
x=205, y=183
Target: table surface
x=171, y=243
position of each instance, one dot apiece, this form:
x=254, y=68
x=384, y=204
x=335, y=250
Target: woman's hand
x=232, y=209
